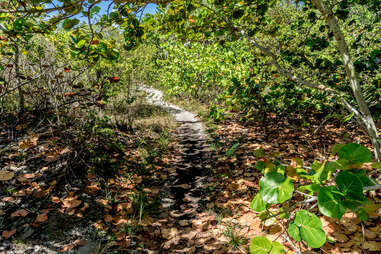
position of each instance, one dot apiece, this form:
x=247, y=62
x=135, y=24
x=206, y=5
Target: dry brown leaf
x=6, y=175
x=372, y=246
x=40, y=193
x=92, y=189
x=76, y=243
x=71, y=202
x=41, y=218
x=56, y=200
x=8, y=234
x=28, y=143
x=102, y=201
x=20, y=213
x=65, y=151
x=99, y=226
x=108, y=218
x=85, y=206
x=51, y=157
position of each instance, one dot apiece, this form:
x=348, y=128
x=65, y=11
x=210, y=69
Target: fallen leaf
x=71, y=202
x=85, y=206
x=41, y=218
x=65, y=151
x=108, y=218
x=102, y=201
x=20, y=213
x=56, y=200
x=6, y=175
x=92, y=189
x=51, y=157
x=8, y=234
x=372, y=246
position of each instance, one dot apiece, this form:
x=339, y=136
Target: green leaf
x=262, y=245
x=259, y=153
x=322, y=174
x=350, y=185
x=363, y=177
x=355, y=153
x=81, y=43
x=310, y=228
x=311, y=188
x=70, y=23
x=294, y=232
x=257, y=204
x=260, y=165
x=362, y=214
x=330, y=202
x=94, y=10
x=376, y=165
x=277, y=248
x=275, y=188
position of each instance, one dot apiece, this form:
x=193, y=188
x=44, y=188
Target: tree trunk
x=21, y=100
x=365, y=115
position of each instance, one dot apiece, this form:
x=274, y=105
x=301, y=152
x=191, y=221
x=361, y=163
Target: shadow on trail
x=181, y=225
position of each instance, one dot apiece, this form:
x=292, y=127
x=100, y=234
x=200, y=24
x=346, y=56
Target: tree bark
x=365, y=115
x=21, y=100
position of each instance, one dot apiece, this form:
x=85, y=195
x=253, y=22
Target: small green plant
x=235, y=240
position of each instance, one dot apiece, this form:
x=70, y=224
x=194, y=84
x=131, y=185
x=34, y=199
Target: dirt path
x=182, y=227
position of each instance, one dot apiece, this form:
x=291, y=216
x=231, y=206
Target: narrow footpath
x=182, y=195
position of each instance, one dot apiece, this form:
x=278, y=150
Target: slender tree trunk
x=21, y=100
x=365, y=115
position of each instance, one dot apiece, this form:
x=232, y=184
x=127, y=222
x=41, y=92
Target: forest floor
x=168, y=185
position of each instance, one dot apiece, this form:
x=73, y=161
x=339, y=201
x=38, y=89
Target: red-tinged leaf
x=114, y=79
x=8, y=234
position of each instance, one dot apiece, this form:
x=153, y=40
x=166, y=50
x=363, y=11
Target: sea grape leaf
x=257, y=204
x=350, y=185
x=330, y=202
x=275, y=188
x=294, y=232
x=309, y=227
x=355, y=153
x=262, y=245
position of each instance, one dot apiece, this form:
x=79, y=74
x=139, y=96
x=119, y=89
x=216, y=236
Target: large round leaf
x=310, y=228
x=350, y=185
x=355, y=153
x=275, y=188
x=262, y=245
x=277, y=248
x=330, y=202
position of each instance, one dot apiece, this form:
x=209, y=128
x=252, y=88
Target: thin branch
x=39, y=11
